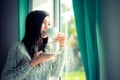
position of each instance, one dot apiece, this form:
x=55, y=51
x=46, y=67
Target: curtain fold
x=86, y=14
x=22, y=13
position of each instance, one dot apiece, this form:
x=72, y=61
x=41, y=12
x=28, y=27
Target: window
x=62, y=17
x=74, y=69
x=46, y=5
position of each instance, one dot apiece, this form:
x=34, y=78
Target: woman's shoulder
x=16, y=44
x=19, y=48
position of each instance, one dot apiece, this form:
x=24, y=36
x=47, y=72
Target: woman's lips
x=44, y=32
x=44, y=35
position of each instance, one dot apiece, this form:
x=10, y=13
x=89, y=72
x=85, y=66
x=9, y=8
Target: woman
x=26, y=59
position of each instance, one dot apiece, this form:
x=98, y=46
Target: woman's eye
x=43, y=22
x=46, y=23
x=49, y=24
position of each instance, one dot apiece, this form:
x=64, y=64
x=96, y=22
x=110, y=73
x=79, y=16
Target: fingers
x=60, y=37
x=49, y=55
x=38, y=53
x=46, y=57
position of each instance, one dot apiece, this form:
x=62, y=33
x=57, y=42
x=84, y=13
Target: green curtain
x=86, y=14
x=22, y=13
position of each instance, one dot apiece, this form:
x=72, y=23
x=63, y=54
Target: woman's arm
x=13, y=70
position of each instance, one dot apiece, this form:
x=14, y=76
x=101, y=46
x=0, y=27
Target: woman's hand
x=38, y=58
x=61, y=39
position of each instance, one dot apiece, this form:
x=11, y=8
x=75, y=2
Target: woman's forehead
x=46, y=18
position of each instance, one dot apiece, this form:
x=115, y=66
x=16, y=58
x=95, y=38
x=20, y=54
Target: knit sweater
x=18, y=68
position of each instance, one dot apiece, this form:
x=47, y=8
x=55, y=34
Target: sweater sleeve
x=13, y=70
x=58, y=64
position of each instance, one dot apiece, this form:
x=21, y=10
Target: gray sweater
x=18, y=68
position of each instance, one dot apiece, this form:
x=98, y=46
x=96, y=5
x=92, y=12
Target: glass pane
x=46, y=5
x=74, y=69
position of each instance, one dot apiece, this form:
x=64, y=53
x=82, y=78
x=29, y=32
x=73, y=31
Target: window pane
x=46, y=5
x=74, y=69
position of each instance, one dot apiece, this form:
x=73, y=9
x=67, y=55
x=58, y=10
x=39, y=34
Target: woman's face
x=45, y=26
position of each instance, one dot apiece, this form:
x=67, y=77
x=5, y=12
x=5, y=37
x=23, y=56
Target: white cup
x=54, y=46
x=51, y=33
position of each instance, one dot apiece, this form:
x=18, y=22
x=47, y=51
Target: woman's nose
x=46, y=27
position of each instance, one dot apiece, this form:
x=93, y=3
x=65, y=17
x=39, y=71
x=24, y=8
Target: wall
x=110, y=32
x=8, y=27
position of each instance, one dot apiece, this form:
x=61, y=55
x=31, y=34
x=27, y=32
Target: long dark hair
x=32, y=39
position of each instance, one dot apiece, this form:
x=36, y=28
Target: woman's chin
x=44, y=36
